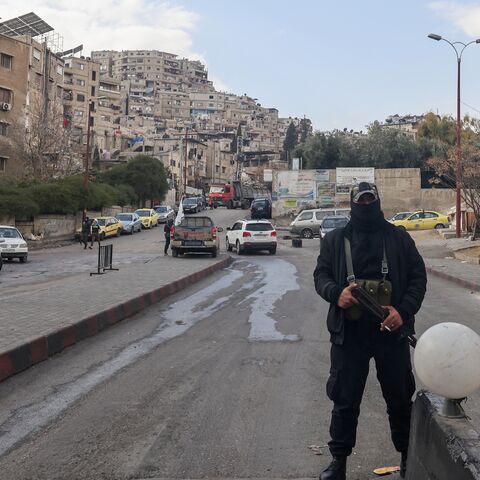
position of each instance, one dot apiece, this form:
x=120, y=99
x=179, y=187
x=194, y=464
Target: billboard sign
x=352, y=176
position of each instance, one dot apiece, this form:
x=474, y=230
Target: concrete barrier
x=441, y=448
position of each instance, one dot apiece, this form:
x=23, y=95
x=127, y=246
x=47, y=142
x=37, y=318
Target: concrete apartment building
x=31, y=85
x=407, y=124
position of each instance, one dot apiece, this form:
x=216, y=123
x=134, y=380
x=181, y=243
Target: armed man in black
x=383, y=259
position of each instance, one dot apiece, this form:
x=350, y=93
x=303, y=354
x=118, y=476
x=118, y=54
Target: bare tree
x=45, y=146
x=470, y=176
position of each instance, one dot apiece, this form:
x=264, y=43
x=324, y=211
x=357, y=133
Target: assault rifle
x=370, y=305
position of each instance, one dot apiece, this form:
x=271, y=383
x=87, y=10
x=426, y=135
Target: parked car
x=131, y=222
x=423, y=220
x=400, y=216
x=331, y=223
x=190, y=205
x=165, y=213
x=148, y=216
x=195, y=235
x=249, y=235
x=109, y=227
x=307, y=223
x=12, y=244
x=261, y=208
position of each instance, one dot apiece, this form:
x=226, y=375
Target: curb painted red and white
x=459, y=281
x=39, y=349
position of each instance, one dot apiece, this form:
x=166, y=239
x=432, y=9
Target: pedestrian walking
x=166, y=230
x=86, y=231
x=95, y=233
x=370, y=252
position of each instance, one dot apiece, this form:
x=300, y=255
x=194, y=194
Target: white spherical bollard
x=447, y=360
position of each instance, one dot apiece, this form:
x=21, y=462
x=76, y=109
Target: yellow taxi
x=148, y=216
x=109, y=227
x=423, y=220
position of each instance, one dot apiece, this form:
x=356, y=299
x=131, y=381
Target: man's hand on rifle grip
x=394, y=320
x=346, y=299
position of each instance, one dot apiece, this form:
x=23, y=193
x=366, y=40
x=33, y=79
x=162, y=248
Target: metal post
x=458, y=169
x=185, y=166
x=87, y=164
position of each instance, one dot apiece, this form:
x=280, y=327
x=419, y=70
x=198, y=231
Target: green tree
x=290, y=142
x=146, y=175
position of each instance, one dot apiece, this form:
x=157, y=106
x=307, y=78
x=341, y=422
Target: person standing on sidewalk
x=369, y=251
x=86, y=231
x=166, y=230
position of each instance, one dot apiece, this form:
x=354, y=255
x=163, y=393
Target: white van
x=307, y=223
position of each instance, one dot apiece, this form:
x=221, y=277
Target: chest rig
x=380, y=290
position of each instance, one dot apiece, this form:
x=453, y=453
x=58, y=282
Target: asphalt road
x=225, y=380
x=63, y=261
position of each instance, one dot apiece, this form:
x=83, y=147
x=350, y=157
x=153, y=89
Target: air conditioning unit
x=6, y=106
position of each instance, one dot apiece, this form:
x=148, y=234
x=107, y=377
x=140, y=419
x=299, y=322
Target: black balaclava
x=366, y=217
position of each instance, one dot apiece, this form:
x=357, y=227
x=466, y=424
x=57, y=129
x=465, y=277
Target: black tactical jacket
x=406, y=273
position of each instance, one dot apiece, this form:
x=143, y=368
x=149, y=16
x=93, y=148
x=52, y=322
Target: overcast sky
x=342, y=64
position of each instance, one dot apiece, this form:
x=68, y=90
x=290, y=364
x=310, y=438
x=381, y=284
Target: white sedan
x=12, y=244
x=249, y=235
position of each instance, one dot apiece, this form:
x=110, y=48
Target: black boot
x=403, y=465
x=337, y=470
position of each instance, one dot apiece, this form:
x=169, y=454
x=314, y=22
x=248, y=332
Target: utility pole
x=185, y=165
x=86, y=173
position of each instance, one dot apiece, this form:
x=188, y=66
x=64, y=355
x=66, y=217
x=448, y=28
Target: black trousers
x=348, y=375
x=167, y=243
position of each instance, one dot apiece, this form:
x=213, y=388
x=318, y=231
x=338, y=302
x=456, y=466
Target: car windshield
x=190, y=201
x=259, y=227
x=101, y=222
x=143, y=213
x=334, y=222
x=125, y=217
x=162, y=209
x=260, y=203
x=400, y=216
x=216, y=189
x=9, y=233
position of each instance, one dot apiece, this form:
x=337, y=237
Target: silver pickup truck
x=195, y=235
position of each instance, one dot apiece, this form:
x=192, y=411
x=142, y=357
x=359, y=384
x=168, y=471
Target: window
x=80, y=98
x=430, y=215
x=306, y=216
x=59, y=70
x=81, y=66
x=172, y=163
x=78, y=113
x=37, y=54
x=94, y=75
x=81, y=83
x=5, y=95
x=3, y=129
x=93, y=91
x=6, y=60
x=3, y=164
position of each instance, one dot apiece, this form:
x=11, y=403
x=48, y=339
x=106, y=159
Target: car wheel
x=132, y=231
x=401, y=227
x=23, y=259
x=273, y=251
x=119, y=231
x=102, y=236
x=214, y=253
x=439, y=225
x=307, y=233
x=229, y=246
x=230, y=205
x=174, y=252
x=239, y=248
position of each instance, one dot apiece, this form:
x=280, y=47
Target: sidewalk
x=464, y=274
x=43, y=319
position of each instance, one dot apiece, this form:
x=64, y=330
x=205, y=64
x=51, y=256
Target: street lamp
x=458, y=47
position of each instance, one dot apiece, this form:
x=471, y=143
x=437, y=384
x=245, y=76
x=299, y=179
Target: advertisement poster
x=325, y=193
x=354, y=175
x=296, y=184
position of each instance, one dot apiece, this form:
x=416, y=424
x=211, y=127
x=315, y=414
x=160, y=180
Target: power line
x=469, y=106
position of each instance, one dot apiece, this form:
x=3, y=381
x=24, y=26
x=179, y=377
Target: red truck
x=215, y=195
x=238, y=195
